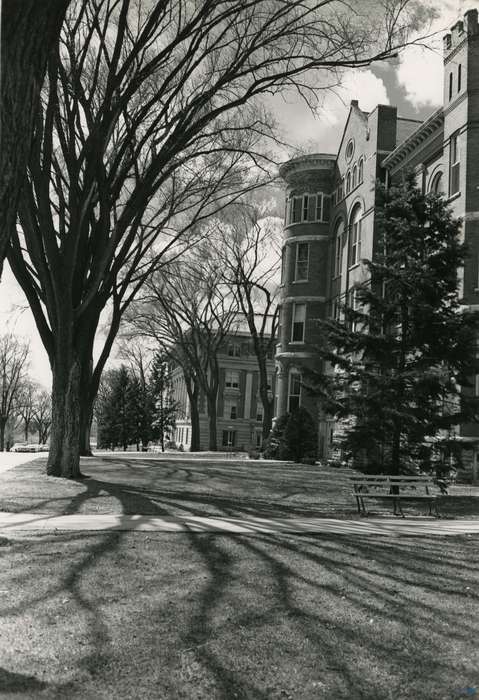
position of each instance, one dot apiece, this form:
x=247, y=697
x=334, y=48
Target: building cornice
x=432, y=125
x=313, y=161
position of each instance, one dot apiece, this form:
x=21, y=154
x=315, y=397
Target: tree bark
x=2, y=434
x=86, y=417
x=64, y=455
x=193, y=395
x=212, y=418
x=29, y=31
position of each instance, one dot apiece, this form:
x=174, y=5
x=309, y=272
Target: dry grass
x=173, y=487
x=137, y=615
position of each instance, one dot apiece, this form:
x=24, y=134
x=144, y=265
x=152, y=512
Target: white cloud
x=420, y=70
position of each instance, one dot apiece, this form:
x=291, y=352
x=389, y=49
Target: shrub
x=301, y=437
x=274, y=446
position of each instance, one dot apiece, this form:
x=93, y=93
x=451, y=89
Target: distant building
x=330, y=209
x=240, y=410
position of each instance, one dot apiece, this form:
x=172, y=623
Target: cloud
x=420, y=70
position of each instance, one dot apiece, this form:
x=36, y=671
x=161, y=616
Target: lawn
x=172, y=487
x=138, y=615
x=112, y=615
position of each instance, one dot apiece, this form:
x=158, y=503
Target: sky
x=413, y=83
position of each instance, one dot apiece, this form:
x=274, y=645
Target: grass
x=97, y=616
x=137, y=615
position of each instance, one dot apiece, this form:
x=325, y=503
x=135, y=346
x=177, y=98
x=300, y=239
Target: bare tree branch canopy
x=151, y=120
x=29, y=31
x=13, y=365
x=252, y=262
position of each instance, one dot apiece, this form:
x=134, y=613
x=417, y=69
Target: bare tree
x=29, y=31
x=151, y=116
x=26, y=404
x=42, y=415
x=13, y=365
x=252, y=243
x=189, y=310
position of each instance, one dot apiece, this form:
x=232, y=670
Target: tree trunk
x=3, y=423
x=212, y=418
x=27, y=427
x=29, y=31
x=86, y=417
x=267, y=413
x=193, y=392
x=64, y=455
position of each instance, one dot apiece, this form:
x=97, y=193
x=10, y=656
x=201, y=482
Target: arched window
x=355, y=176
x=348, y=183
x=338, y=248
x=459, y=71
x=361, y=171
x=436, y=184
x=356, y=235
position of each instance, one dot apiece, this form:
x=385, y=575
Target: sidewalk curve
x=239, y=526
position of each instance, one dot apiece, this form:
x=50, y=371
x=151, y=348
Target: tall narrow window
x=355, y=176
x=361, y=171
x=459, y=76
x=338, y=249
x=302, y=262
x=296, y=218
x=283, y=264
x=294, y=394
x=356, y=235
x=326, y=207
x=348, y=183
x=353, y=304
x=454, y=164
x=299, y=319
x=450, y=86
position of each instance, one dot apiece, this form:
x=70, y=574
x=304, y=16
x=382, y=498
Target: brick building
x=239, y=407
x=330, y=208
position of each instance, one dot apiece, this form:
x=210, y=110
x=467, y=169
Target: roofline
x=426, y=128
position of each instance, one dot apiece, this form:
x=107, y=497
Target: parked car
x=20, y=447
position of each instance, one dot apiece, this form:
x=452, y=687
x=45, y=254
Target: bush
x=294, y=437
x=274, y=445
x=301, y=437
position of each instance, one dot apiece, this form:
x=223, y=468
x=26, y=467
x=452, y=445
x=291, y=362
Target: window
x=229, y=438
x=299, y=318
x=283, y=264
x=234, y=350
x=326, y=207
x=259, y=414
x=302, y=261
x=450, y=86
x=294, y=394
x=258, y=438
x=348, y=183
x=436, y=184
x=350, y=150
x=307, y=207
x=355, y=176
x=336, y=309
x=356, y=233
x=353, y=304
x=230, y=409
x=232, y=379
x=459, y=72
x=338, y=249
x=360, y=171
x=187, y=435
x=454, y=164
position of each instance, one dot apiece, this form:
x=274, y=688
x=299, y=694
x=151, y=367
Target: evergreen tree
x=404, y=351
x=117, y=412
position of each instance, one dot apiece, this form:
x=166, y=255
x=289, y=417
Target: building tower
x=304, y=277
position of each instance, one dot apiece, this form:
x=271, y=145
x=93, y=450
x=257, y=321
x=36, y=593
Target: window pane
x=326, y=208
x=312, y=208
x=297, y=210
x=302, y=260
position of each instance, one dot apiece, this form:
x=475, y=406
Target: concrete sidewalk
x=8, y=460
x=11, y=522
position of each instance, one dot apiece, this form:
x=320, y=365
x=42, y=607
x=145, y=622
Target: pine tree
x=118, y=412
x=404, y=351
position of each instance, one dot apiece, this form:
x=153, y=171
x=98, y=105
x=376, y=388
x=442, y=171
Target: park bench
x=396, y=489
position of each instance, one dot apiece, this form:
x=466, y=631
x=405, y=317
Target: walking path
x=11, y=522
x=8, y=460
